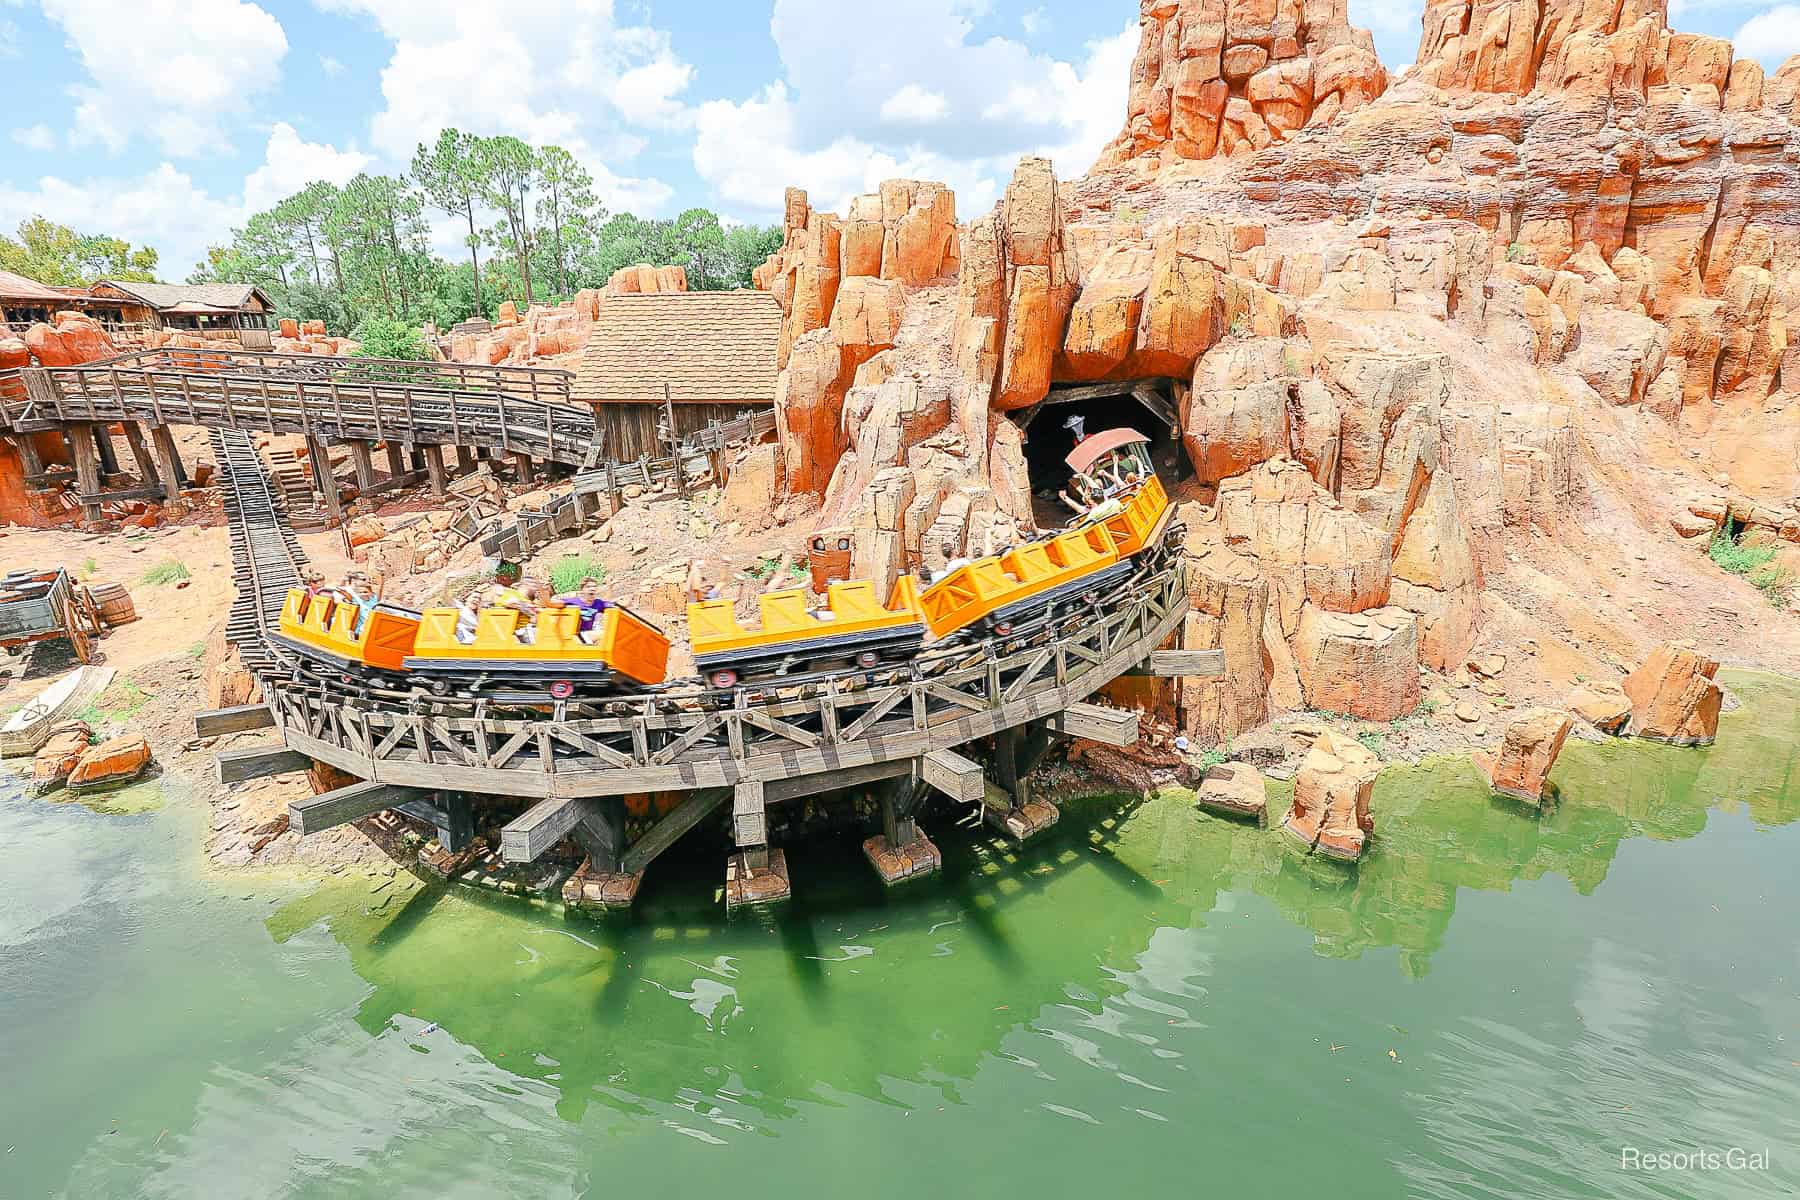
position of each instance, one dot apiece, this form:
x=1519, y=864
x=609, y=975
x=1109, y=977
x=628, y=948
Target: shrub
x=1754, y=561
x=566, y=573
x=167, y=573
x=1374, y=741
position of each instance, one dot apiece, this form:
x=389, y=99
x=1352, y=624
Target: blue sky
x=168, y=121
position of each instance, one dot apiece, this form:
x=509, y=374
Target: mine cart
x=39, y=606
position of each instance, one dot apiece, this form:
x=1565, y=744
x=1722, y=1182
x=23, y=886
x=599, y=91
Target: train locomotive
x=1002, y=595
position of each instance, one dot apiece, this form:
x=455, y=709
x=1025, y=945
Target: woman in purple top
x=589, y=602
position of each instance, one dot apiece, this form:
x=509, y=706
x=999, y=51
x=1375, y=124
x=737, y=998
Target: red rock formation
x=1330, y=814
x=1229, y=77
x=74, y=340
x=1521, y=764
x=110, y=764
x=1673, y=697
x=645, y=279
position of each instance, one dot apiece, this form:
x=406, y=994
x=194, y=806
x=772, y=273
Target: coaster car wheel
x=561, y=689
x=724, y=677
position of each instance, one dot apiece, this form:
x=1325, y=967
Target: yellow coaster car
x=324, y=628
x=1141, y=520
x=859, y=630
x=997, y=592
x=626, y=651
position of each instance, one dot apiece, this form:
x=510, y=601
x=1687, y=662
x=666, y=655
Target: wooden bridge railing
x=509, y=409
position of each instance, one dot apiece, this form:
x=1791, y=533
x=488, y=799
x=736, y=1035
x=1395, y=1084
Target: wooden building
x=713, y=351
x=25, y=301
x=239, y=312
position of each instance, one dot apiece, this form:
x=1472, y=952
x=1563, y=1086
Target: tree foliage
x=56, y=255
x=346, y=255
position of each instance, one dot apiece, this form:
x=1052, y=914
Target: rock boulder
x=1522, y=762
x=1330, y=814
x=1673, y=697
x=110, y=764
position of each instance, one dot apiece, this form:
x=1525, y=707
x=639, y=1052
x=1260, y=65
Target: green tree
x=302, y=220
x=380, y=222
x=747, y=247
x=511, y=174
x=567, y=210
x=454, y=174
x=55, y=254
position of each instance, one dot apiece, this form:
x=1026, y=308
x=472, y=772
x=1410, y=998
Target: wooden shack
x=235, y=312
x=714, y=352
x=25, y=301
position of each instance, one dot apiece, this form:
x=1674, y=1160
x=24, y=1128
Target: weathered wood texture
x=220, y=721
x=236, y=766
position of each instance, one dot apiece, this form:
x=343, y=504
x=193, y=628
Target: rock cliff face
x=1448, y=356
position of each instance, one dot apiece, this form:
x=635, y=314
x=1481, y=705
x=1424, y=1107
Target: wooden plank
x=540, y=827
x=1114, y=727
x=1184, y=664
x=330, y=809
x=236, y=766
x=667, y=831
x=220, y=721
x=950, y=773
x=748, y=824
x=796, y=786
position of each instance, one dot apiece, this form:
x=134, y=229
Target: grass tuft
x=1374, y=741
x=566, y=573
x=166, y=573
x=1754, y=561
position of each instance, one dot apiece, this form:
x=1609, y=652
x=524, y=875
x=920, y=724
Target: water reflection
x=742, y=1024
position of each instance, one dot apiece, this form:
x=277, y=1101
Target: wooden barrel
x=113, y=603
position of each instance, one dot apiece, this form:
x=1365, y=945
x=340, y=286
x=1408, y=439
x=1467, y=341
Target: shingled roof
x=709, y=347
x=169, y=295
x=17, y=287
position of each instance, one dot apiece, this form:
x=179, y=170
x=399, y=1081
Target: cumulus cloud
x=913, y=105
x=38, y=137
x=331, y=66
x=647, y=95
x=1035, y=22
x=167, y=209
x=1772, y=36
x=170, y=69
x=834, y=124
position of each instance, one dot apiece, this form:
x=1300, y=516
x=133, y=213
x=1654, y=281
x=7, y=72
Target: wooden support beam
x=796, y=786
x=1182, y=664
x=899, y=801
x=601, y=832
x=1113, y=726
x=28, y=455
x=87, y=471
x=527, y=836
x=696, y=808
x=363, y=460
x=749, y=825
x=218, y=722
x=396, y=463
x=434, y=468
x=343, y=805
x=522, y=464
x=458, y=830
x=1006, y=766
x=236, y=766
x=957, y=777
x=109, y=462
x=140, y=451
x=1146, y=395
x=465, y=460
x=325, y=481
x=168, y=462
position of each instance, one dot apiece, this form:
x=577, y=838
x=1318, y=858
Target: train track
x=266, y=557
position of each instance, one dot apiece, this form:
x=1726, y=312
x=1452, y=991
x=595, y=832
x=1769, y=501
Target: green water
x=1494, y=1003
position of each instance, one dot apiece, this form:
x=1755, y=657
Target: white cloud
x=38, y=137
x=167, y=209
x=290, y=163
x=913, y=105
x=9, y=39
x=646, y=95
x=331, y=66
x=171, y=69
x=828, y=134
x=163, y=208
x=1388, y=18
x=1035, y=22
x=1770, y=36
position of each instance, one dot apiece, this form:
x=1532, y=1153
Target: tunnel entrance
x=1145, y=405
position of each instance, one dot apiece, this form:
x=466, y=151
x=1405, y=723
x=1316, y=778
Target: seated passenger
x=531, y=596
x=468, y=615
x=587, y=600
x=365, y=595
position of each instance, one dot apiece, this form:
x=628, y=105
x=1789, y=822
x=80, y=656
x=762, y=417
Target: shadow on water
x=853, y=988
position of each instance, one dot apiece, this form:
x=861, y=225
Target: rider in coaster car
x=587, y=599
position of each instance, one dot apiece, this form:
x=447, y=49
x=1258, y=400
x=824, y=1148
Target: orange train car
x=854, y=628
x=627, y=652
x=328, y=630
x=998, y=592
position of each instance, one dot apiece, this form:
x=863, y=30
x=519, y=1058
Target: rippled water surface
x=1495, y=1003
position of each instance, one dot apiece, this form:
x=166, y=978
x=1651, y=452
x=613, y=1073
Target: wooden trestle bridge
x=897, y=731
